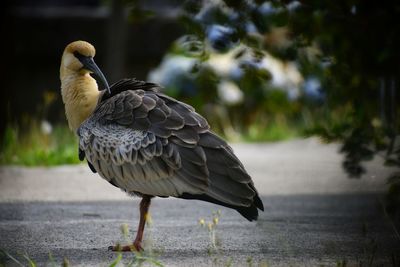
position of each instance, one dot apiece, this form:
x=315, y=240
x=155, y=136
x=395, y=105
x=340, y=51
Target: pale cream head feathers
x=69, y=60
x=79, y=90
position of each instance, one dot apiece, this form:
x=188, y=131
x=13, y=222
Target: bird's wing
x=143, y=141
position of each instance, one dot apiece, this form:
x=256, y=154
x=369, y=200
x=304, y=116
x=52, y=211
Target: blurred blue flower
x=267, y=9
x=312, y=89
x=221, y=37
x=175, y=72
x=292, y=6
x=251, y=28
x=213, y=10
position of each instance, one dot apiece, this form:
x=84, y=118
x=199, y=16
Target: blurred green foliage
x=33, y=141
x=34, y=147
x=350, y=46
x=359, y=41
x=231, y=86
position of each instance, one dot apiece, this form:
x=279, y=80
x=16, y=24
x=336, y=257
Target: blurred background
x=257, y=70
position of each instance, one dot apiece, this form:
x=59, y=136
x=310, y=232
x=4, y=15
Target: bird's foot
x=136, y=246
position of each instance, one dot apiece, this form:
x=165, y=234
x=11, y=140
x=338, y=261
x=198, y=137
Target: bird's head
x=78, y=57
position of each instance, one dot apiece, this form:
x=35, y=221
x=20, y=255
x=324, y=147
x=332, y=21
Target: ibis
x=147, y=143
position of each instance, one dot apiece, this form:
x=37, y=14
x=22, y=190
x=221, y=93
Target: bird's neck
x=80, y=95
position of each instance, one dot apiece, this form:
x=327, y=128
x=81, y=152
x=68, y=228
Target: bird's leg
x=137, y=243
x=144, y=210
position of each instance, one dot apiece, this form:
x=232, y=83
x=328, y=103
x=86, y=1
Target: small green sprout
x=229, y=262
x=211, y=228
x=249, y=261
x=66, y=263
x=30, y=261
x=116, y=261
x=148, y=219
x=51, y=259
x=215, y=220
x=202, y=222
x=125, y=230
x=148, y=256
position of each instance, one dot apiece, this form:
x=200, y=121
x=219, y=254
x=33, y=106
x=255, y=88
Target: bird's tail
x=229, y=183
x=250, y=213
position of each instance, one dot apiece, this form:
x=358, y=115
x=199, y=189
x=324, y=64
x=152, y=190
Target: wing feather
x=146, y=142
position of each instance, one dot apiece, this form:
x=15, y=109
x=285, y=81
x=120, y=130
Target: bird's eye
x=78, y=55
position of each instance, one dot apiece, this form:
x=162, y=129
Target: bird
x=147, y=143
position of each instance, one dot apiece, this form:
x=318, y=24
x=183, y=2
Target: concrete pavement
x=314, y=215
x=285, y=168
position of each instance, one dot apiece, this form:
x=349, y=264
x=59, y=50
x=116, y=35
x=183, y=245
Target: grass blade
x=116, y=261
x=12, y=258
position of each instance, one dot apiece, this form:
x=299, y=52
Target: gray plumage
x=148, y=143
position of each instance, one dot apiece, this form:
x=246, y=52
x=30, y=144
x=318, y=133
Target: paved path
x=295, y=167
x=314, y=215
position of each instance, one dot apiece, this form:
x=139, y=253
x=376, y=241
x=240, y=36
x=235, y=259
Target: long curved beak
x=89, y=64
